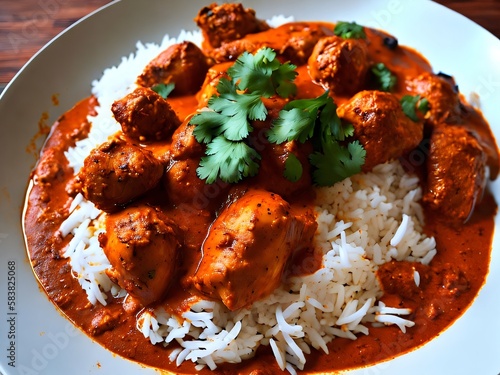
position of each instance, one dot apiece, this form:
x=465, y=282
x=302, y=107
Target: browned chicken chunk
x=444, y=281
x=141, y=244
x=182, y=64
x=183, y=186
x=339, y=64
x=227, y=22
x=181, y=181
x=299, y=40
x=273, y=164
x=444, y=101
x=117, y=172
x=184, y=144
x=398, y=278
x=274, y=156
x=209, y=87
x=145, y=116
x=232, y=50
x=293, y=42
x=456, y=172
x=248, y=246
x=381, y=126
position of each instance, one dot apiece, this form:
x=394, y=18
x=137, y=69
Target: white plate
x=45, y=342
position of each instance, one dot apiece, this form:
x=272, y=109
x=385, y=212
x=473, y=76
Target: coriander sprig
x=163, y=89
x=225, y=126
x=385, y=78
x=228, y=160
x=316, y=119
x=348, y=30
x=410, y=104
x=229, y=114
x=263, y=74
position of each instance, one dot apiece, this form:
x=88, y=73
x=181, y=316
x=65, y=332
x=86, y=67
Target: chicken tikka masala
x=208, y=189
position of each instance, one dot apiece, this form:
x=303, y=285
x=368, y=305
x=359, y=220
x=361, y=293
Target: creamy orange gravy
x=465, y=250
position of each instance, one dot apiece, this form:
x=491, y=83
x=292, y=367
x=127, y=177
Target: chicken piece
x=182, y=184
x=444, y=101
x=339, y=65
x=248, y=246
x=456, y=174
x=184, y=144
x=475, y=122
x=227, y=22
x=293, y=42
x=209, y=87
x=299, y=41
x=141, y=244
x=181, y=181
x=183, y=64
x=117, y=172
x=274, y=156
x=230, y=51
x=398, y=277
x=397, y=280
x=381, y=126
x=272, y=168
x=145, y=116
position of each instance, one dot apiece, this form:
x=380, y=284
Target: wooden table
x=26, y=25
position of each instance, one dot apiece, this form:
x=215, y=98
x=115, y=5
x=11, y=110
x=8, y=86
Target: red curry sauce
x=448, y=286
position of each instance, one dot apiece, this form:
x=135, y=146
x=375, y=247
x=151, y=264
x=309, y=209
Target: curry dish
x=180, y=223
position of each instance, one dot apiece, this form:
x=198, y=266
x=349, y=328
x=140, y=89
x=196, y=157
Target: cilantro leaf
x=336, y=162
x=293, y=168
x=283, y=78
x=411, y=103
x=317, y=119
x=331, y=124
x=231, y=114
x=163, y=90
x=423, y=105
x=264, y=74
x=385, y=79
x=349, y=30
x=231, y=161
x=297, y=120
x=292, y=124
x=209, y=125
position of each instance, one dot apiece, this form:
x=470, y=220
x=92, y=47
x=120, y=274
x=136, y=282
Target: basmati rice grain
x=416, y=278
x=401, y=231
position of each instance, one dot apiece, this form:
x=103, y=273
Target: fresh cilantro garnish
x=262, y=73
x=316, y=119
x=297, y=120
x=337, y=162
x=423, y=105
x=349, y=30
x=385, y=79
x=228, y=160
x=229, y=115
x=293, y=168
x=225, y=126
x=163, y=89
x=411, y=103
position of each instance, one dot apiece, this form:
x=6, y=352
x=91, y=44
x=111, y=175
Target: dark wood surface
x=26, y=25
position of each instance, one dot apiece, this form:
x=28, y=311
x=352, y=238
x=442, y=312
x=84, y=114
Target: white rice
x=363, y=222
